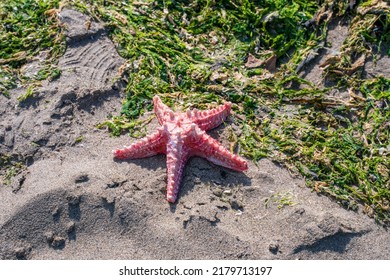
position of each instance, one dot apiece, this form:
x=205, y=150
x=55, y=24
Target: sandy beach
x=74, y=201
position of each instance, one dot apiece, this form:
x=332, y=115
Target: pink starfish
x=181, y=136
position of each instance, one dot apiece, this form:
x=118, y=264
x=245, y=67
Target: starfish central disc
x=181, y=136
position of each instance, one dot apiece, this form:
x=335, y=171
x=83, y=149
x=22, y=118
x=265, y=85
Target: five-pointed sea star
x=181, y=136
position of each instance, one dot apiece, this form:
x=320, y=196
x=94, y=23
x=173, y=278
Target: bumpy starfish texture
x=181, y=136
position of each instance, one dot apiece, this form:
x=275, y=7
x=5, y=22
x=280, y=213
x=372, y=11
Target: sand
x=74, y=201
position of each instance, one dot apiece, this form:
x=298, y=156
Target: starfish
x=181, y=136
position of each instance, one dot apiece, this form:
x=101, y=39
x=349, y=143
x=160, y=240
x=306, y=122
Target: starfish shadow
x=149, y=163
x=197, y=171
x=201, y=171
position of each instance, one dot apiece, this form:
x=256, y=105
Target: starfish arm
x=161, y=110
x=203, y=145
x=148, y=146
x=210, y=119
x=177, y=156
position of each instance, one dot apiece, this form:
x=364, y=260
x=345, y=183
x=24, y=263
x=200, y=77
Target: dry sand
x=74, y=201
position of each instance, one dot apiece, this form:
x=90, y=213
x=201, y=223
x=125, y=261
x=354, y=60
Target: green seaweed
x=27, y=27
